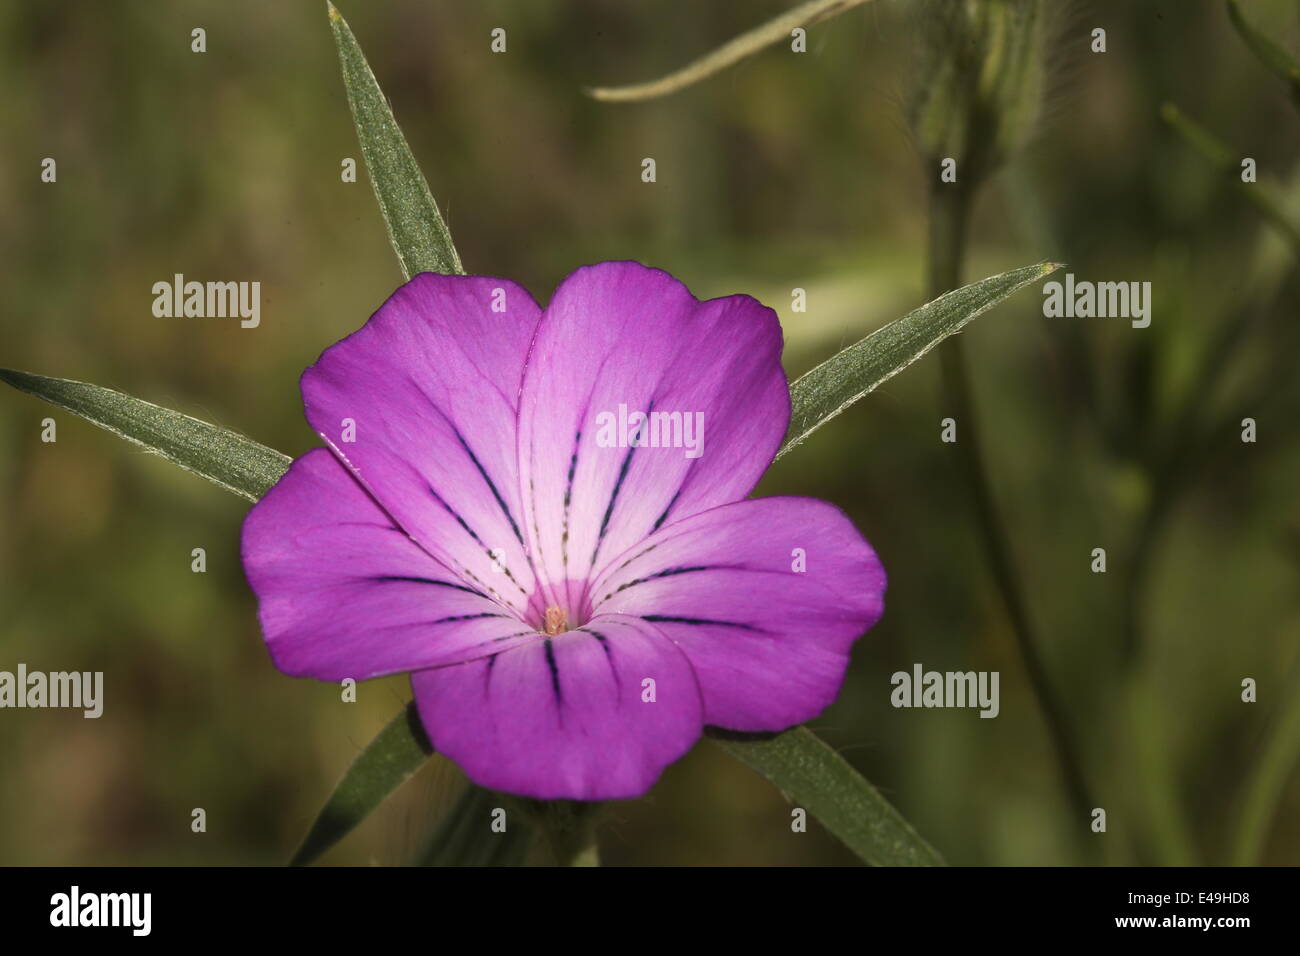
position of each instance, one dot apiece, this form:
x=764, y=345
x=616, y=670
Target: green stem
x=1140, y=562
x=1167, y=832
x=949, y=216
x=569, y=827
x=588, y=856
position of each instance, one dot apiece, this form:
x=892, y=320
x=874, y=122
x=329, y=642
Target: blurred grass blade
x=227, y=458
x=415, y=227
x=813, y=776
x=387, y=762
x=733, y=51
x=1272, y=56
x=1199, y=138
x=1266, y=785
x=1259, y=194
x=841, y=380
x=465, y=837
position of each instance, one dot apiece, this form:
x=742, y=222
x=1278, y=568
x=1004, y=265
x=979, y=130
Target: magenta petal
x=566, y=717
x=769, y=642
x=619, y=334
x=427, y=391
x=343, y=592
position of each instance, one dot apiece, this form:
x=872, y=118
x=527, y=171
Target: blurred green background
x=785, y=171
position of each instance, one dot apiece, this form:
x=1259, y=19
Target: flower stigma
x=557, y=622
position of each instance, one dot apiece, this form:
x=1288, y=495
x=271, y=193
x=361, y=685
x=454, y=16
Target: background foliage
x=785, y=171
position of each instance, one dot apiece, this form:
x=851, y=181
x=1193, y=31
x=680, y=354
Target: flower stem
x=466, y=837
x=555, y=832
x=588, y=856
x=949, y=217
x=570, y=830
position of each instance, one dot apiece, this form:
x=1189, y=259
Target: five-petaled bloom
x=572, y=611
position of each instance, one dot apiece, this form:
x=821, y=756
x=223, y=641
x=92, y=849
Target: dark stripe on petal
x=604, y=646
x=555, y=671
x=699, y=621
x=486, y=550
x=604, y=641
x=467, y=617
x=668, y=572
x=622, y=474
x=609, y=508
x=573, y=465
x=643, y=551
x=477, y=464
x=505, y=509
x=414, y=580
x=459, y=520
x=568, y=498
x=660, y=519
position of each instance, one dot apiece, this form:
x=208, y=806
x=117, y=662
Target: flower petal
x=566, y=717
x=421, y=403
x=769, y=642
x=619, y=334
x=344, y=592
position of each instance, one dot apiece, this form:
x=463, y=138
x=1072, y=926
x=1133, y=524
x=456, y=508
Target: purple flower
x=541, y=515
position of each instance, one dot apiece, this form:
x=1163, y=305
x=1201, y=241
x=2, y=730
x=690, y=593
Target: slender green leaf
x=733, y=51
x=837, y=383
x=1272, y=56
x=811, y=774
x=234, y=462
x=415, y=227
x=387, y=762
